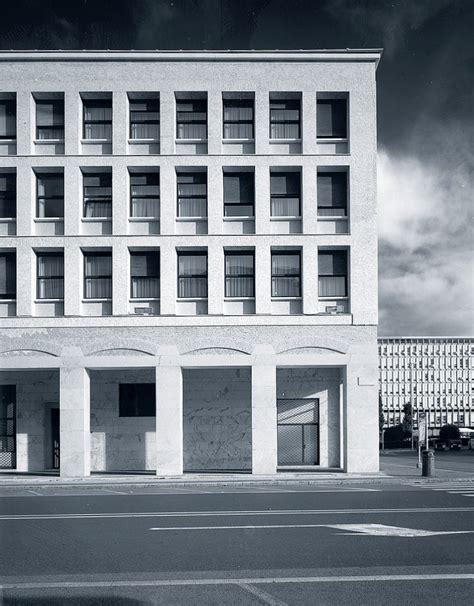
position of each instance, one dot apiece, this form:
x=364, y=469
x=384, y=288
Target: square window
x=137, y=400
x=286, y=274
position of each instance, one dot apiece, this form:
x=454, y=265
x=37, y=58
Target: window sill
x=243, y=218
x=48, y=219
x=95, y=219
x=48, y=301
x=93, y=141
x=271, y=141
x=143, y=299
x=7, y=301
x=47, y=141
x=8, y=140
x=287, y=299
x=132, y=141
x=143, y=219
x=238, y=141
x=191, y=299
x=190, y=140
x=97, y=300
x=7, y=219
x=331, y=140
x=334, y=298
x=338, y=218
x=237, y=299
x=184, y=219
x=289, y=218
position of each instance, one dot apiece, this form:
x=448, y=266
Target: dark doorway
x=7, y=426
x=298, y=431
x=55, y=437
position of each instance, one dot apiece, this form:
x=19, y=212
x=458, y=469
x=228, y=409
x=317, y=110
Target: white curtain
x=239, y=276
x=101, y=114
x=8, y=196
x=192, y=280
x=51, y=277
x=98, y=276
x=7, y=119
x=286, y=277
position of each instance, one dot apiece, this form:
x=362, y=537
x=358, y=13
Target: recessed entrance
x=298, y=431
x=55, y=438
x=7, y=426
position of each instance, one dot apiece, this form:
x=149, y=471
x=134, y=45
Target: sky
x=425, y=117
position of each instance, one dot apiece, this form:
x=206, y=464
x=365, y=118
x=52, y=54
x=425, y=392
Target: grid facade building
x=434, y=374
x=188, y=266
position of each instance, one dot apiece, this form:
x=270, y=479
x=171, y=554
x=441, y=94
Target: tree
x=449, y=432
x=381, y=415
x=396, y=436
x=407, y=417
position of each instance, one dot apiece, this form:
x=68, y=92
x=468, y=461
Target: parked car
x=454, y=444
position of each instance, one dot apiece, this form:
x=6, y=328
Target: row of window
x=191, y=116
x=192, y=274
x=452, y=361
x=191, y=193
x=430, y=349
x=434, y=375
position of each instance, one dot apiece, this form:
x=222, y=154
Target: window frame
x=97, y=198
x=154, y=121
x=227, y=204
x=155, y=253
x=238, y=103
x=137, y=399
x=194, y=253
x=45, y=199
x=275, y=276
x=332, y=173
x=145, y=196
x=49, y=127
x=56, y=277
x=192, y=121
x=333, y=137
x=86, y=254
x=276, y=196
x=274, y=121
x=190, y=173
x=7, y=296
x=107, y=103
x=333, y=275
x=8, y=197
x=12, y=112
x=239, y=253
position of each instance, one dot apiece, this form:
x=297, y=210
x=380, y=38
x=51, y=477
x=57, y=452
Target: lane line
x=405, y=533
x=230, y=513
x=262, y=595
x=246, y=581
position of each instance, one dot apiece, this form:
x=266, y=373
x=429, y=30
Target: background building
x=188, y=267
x=435, y=374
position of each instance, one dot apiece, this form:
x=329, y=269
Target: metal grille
x=7, y=426
x=298, y=431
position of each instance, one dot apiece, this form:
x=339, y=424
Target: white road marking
x=262, y=595
x=367, y=529
x=230, y=513
x=247, y=581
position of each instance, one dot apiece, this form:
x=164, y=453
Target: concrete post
x=264, y=419
x=262, y=122
x=169, y=420
x=25, y=119
x=74, y=422
x=72, y=122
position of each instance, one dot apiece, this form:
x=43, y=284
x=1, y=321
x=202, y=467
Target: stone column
x=215, y=278
x=308, y=122
x=25, y=108
x=73, y=279
x=72, y=122
x=262, y=122
x=214, y=123
x=263, y=279
x=215, y=200
x=26, y=193
x=309, y=263
x=264, y=418
x=262, y=199
x=169, y=419
x=120, y=200
x=73, y=200
x=167, y=122
x=119, y=122
x=120, y=279
x=168, y=278
x=74, y=422
x=25, y=278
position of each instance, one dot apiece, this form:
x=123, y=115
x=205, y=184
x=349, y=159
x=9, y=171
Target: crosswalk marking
x=465, y=489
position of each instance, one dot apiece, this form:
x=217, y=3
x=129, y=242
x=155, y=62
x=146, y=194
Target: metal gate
x=298, y=431
x=7, y=426
x=55, y=437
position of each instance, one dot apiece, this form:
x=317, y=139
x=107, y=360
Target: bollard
x=428, y=463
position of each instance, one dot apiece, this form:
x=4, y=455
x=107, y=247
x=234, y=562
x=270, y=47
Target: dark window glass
x=145, y=119
x=239, y=274
x=191, y=119
x=97, y=194
x=145, y=274
x=192, y=275
x=8, y=195
x=8, y=275
x=50, y=272
x=332, y=118
x=285, y=192
x=145, y=195
x=285, y=119
x=238, y=119
x=239, y=194
x=137, y=400
x=50, y=195
x=192, y=194
x=7, y=119
x=286, y=274
x=332, y=269
x=332, y=194
x=49, y=119
x=98, y=275
x=97, y=119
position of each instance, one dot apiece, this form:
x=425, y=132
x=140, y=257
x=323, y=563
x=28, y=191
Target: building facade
x=188, y=261
x=434, y=374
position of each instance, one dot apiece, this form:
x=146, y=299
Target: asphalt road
x=325, y=544
x=449, y=464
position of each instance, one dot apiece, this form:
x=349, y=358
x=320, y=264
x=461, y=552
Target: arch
x=327, y=345
x=28, y=351
x=217, y=351
x=120, y=351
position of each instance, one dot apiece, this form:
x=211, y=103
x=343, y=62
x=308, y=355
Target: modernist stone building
x=188, y=267
x=434, y=374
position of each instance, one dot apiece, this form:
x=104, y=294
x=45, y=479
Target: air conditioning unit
x=335, y=309
x=143, y=311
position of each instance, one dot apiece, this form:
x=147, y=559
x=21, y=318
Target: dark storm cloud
x=424, y=113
